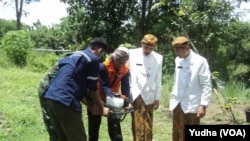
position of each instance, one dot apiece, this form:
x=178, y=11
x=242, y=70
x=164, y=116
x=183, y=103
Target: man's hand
x=95, y=110
x=129, y=106
x=201, y=111
x=123, y=96
x=105, y=111
x=156, y=104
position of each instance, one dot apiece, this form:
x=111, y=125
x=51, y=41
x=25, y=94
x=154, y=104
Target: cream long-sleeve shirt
x=146, y=74
x=192, y=85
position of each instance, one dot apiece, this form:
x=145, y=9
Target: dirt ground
x=218, y=115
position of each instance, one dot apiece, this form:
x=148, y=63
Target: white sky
x=47, y=11
x=244, y=11
x=50, y=11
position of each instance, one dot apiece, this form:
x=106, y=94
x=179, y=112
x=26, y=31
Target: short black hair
x=98, y=42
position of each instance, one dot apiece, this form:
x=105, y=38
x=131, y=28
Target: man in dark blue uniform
x=75, y=80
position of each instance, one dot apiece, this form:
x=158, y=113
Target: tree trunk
x=19, y=9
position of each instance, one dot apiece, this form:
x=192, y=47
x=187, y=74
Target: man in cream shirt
x=192, y=88
x=146, y=72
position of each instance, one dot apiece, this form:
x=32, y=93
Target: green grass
x=21, y=119
x=19, y=108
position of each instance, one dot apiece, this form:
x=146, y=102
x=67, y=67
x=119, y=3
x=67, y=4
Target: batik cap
x=149, y=39
x=180, y=41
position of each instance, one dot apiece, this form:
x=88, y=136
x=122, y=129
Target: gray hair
x=121, y=53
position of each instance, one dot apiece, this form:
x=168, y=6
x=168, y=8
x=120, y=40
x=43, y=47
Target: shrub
x=41, y=61
x=17, y=45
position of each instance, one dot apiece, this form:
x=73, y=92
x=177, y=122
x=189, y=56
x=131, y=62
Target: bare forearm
x=97, y=100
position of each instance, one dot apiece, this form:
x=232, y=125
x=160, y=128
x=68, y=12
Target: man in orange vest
x=114, y=78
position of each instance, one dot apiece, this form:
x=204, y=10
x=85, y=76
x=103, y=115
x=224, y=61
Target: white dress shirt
x=192, y=85
x=146, y=73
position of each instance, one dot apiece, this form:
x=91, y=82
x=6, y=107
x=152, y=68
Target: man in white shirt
x=192, y=88
x=146, y=72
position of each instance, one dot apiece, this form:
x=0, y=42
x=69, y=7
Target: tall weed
x=236, y=89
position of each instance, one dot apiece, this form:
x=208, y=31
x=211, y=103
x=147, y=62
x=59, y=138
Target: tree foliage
x=49, y=38
x=238, y=50
x=6, y=26
x=17, y=45
x=92, y=18
x=207, y=24
x=213, y=28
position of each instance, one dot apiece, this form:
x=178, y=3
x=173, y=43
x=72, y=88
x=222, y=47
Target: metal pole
x=192, y=45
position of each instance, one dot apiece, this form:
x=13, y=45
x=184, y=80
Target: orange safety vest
x=114, y=77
